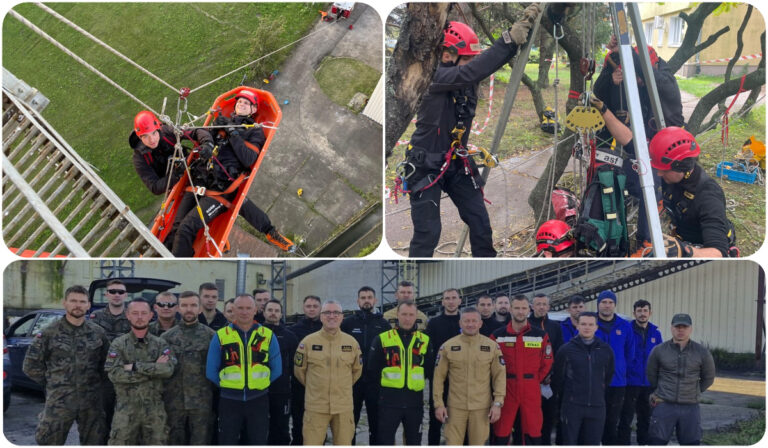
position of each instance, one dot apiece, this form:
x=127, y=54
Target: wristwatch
x=497, y=404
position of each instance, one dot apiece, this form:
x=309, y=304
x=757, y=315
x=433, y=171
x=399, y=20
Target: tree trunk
x=752, y=81
x=412, y=65
x=538, y=199
x=695, y=22
x=546, y=49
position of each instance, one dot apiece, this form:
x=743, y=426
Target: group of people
x=501, y=371
x=436, y=158
x=221, y=159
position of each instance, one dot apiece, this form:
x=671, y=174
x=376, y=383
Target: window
x=659, y=32
x=23, y=328
x=675, y=31
x=44, y=320
x=648, y=28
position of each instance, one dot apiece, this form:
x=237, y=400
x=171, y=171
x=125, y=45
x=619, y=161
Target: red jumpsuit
x=528, y=357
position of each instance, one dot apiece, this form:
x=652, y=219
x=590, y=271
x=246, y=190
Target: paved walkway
x=331, y=153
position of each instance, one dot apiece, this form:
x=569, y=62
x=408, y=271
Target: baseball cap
x=681, y=319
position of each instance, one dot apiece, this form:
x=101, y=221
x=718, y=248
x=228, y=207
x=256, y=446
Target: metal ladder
x=54, y=204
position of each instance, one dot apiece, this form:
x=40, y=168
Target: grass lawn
x=341, y=78
x=699, y=85
x=186, y=45
x=747, y=432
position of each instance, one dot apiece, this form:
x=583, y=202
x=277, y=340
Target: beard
x=77, y=314
x=189, y=317
x=367, y=307
x=502, y=312
x=520, y=321
x=136, y=327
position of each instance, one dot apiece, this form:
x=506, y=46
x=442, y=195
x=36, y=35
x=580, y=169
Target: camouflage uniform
x=139, y=412
x=157, y=330
x=114, y=326
x=188, y=394
x=67, y=360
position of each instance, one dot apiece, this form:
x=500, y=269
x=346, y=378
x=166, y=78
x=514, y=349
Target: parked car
x=19, y=334
x=6, y=378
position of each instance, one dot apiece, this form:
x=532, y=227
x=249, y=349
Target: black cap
x=681, y=319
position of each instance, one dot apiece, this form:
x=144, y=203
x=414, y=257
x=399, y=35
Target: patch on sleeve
x=298, y=359
x=618, y=332
x=112, y=355
x=485, y=348
x=301, y=346
x=167, y=352
x=548, y=351
x=39, y=334
x=361, y=359
x=501, y=361
x=346, y=348
x=437, y=359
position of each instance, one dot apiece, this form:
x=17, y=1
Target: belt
x=526, y=376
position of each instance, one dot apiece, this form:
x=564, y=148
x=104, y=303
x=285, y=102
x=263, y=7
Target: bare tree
x=413, y=63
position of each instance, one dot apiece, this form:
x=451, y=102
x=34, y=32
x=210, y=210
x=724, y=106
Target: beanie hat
x=607, y=294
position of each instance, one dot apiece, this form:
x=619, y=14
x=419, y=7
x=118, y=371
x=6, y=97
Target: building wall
x=41, y=284
x=338, y=280
x=725, y=45
x=436, y=277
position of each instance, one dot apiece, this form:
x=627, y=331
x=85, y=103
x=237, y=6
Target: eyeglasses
x=116, y=291
x=331, y=313
x=165, y=305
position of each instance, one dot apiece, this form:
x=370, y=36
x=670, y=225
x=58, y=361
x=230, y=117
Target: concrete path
x=512, y=219
x=331, y=153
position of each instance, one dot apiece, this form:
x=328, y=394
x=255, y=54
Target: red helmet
x=671, y=145
x=248, y=95
x=651, y=55
x=460, y=37
x=554, y=236
x=145, y=122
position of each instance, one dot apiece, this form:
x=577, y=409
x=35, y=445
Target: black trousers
x=425, y=214
x=683, y=419
x=390, y=419
x=635, y=402
x=236, y=415
x=549, y=411
x=614, y=400
x=581, y=425
x=188, y=222
x=433, y=434
x=279, y=419
x=297, y=412
x=362, y=392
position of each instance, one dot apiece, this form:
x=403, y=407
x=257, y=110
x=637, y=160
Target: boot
x=274, y=237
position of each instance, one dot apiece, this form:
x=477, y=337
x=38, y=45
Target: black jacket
x=582, y=372
x=151, y=164
x=437, y=114
x=489, y=325
x=234, y=154
x=304, y=327
x=701, y=220
x=396, y=398
x=365, y=327
x=551, y=327
x=219, y=321
x=441, y=328
x=288, y=345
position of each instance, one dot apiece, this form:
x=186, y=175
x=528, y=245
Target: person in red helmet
x=694, y=201
x=153, y=149
x=555, y=240
x=444, y=120
x=528, y=357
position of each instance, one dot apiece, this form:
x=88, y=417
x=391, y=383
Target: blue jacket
x=636, y=375
x=569, y=331
x=619, y=335
x=213, y=365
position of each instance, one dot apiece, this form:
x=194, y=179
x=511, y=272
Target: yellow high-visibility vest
x=235, y=359
x=394, y=375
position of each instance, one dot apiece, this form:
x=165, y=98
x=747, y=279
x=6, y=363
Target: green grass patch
x=745, y=203
x=757, y=404
x=368, y=249
x=341, y=78
x=186, y=45
x=747, y=432
x=699, y=85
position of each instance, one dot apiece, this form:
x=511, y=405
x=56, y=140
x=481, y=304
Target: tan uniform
x=328, y=365
x=421, y=319
x=474, y=366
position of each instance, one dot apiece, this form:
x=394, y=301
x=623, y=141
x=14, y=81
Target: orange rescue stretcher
x=268, y=115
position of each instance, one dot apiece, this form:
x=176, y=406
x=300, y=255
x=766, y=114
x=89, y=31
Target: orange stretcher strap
x=217, y=195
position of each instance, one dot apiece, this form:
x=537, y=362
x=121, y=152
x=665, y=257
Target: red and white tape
x=742, y=58
x=474, y=124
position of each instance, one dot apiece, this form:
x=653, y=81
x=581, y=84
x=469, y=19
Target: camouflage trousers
x=190, y=427
x=56, y=420
x=140, y=423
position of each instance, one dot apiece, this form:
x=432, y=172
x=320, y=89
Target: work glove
x=520, y=30
x=597, y=103
x=676, y=248
x=205, y=150
x=221, y=120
